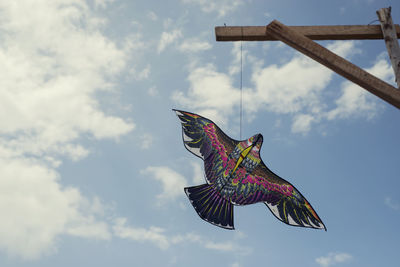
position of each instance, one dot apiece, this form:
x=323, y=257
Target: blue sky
x=92, y=165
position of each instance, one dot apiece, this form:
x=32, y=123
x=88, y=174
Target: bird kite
x=236, y=175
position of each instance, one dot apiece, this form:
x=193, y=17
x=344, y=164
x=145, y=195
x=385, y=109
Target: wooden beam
x=339, y=32
x=391, y=42
x=336, y=63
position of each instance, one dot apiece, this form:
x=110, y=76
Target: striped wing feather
x=205, y=139
x=281, y=197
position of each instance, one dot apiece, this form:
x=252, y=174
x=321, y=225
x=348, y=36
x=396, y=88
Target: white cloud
x=239, y=54
x=102, y=3
x=225, y=246
x=153, y=234
x=294, y=88
x=43, y=56
x=35, y=209
x=194, y=46
x=333, y=259
x=133, y=44
x=222, y=7
x=54, y=61
x=159, y=237
x=344, y=48
x=140, y=75
x=152, y=16
x=88, y=227
x=172, y=182
x=167, y=23
x=168, y=38
x=221, y=246
x=302, y=123
x=356, y=101
x=211, y=93
x=391, y=204
x=198, y=173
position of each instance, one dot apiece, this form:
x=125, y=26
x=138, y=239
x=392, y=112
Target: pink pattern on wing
x=209, y=129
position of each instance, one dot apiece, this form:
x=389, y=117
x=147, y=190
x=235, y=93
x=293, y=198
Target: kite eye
x=249, y=142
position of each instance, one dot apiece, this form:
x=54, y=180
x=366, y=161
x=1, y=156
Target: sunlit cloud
x=168, y=38
x=194, y=46
x=152, y=234
x=295, y=88
x=160, y=238
x=221, y=7
x=172, y=182
x=333, y=258
x=51, y=72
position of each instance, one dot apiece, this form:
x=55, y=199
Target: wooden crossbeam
x=336, y=63
x=338, y=32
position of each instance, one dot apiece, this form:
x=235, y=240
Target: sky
x=92, y=164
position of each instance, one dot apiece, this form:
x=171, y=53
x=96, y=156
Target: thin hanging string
x=241, y=85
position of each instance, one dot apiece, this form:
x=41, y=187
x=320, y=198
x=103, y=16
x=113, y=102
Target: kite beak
x=259, y=137
x=256, y=145
x=259, y=141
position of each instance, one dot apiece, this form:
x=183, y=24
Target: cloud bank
x=294, y=88
x=54, y=61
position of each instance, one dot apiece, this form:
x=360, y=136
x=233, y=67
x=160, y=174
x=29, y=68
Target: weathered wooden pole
x=336, y=63
x=390, y=36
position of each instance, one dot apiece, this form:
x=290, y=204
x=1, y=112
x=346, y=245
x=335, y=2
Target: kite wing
x=206, y=140
x=281, y=197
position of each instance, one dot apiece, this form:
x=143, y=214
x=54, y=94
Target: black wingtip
x=211, y=207
x=178, y=112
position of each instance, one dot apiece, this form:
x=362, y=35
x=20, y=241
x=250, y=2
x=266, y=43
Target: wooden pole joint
x=390, y=37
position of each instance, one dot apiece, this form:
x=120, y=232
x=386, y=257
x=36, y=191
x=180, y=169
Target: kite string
x=241, y=86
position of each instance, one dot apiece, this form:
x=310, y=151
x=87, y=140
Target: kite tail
x=210, y=206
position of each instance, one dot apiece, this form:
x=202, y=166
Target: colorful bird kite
x=236, y=175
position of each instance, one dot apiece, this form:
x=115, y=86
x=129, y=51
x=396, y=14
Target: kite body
x=236, y=175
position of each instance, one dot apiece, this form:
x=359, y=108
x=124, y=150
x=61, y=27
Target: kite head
x=250, y=149
x=255, y=142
